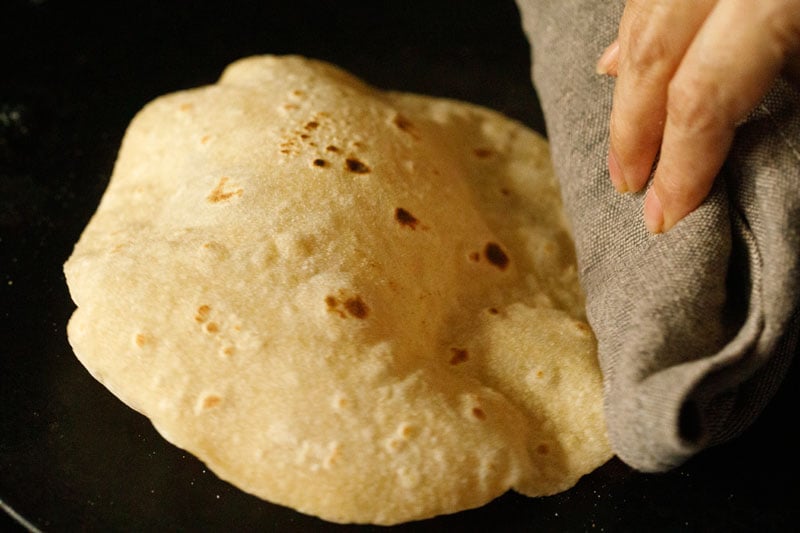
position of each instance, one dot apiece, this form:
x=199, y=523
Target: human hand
x=687, y=72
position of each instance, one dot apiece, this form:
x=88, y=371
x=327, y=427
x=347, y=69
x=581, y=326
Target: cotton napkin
x=696, y=327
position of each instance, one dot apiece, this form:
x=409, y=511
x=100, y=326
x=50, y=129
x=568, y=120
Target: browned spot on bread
x=204, y=139
x=311, y=125
x=228, y=351
x=479, y=413
x=356, y=307
x=483, y=153
x=543, y=449
x=405, y=218
x=505, y=192
x=186, y=107
x=332, y=148
x=493, y=310
x=210, y=401
x=495, y=255
x=405, y=125
x=407, y=431
x=202, y=313
x=219, y=193
x=459, y=356
x=212, y=327
x=475, y=256
x=319, y=163
x=354, y=165
x=333, y=306
x=353, y=306
x=140, y=340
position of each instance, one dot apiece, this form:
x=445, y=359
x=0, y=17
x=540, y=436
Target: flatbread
x=356, y=303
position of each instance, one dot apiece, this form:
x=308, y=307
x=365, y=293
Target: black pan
x=73, y=74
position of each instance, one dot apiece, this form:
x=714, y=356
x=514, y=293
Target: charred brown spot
x=539, y=374
x=543, y=449
x=483, y=153
x=475, y=256
x=356, y=307
x=405, y=218
x=298, y=93
x=354, y=165
x=219, y=193
x=405, y=125
x=332, y=148
x=202, y=313
x=320, y=163
x=312, y=125
x=211, y=401
x=304, y=136
x=479, y=413
x=459, y=356
x=212, y=327
x=496, y=256
x=493, y=310
x=504, y=191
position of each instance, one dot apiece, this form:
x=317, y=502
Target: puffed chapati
x=360, y=304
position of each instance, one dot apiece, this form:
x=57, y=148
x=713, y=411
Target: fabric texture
x=696, y=327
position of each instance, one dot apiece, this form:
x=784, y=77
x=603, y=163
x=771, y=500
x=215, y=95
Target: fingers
x=653, y=38
x=724, y=74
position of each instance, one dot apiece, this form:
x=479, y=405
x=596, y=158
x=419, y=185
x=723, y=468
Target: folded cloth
x=696, y=327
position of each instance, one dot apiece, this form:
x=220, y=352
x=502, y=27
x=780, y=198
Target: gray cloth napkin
x=696, y=327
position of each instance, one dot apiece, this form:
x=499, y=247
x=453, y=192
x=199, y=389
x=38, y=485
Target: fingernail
x=653, y=212
x=615, y=173
x=609, y=59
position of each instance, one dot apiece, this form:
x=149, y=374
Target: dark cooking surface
x=71, y=78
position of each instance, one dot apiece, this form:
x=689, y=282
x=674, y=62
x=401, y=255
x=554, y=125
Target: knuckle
x=672, y=189
x=649, y=46
x=648, y=51
x=695, y=106
x=623, y=136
